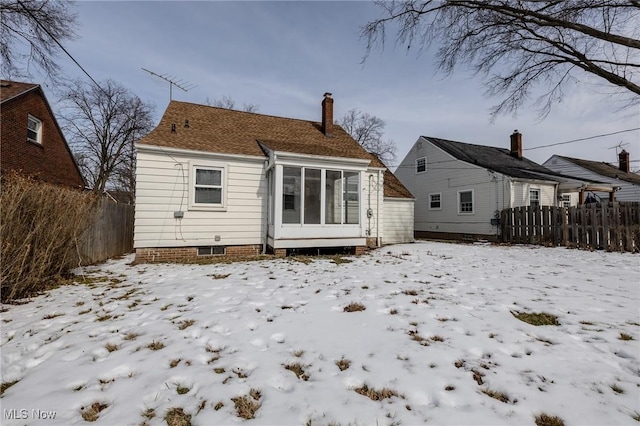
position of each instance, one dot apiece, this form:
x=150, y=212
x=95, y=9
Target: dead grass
x=410, y=292
x=376, y=394
x=635, y=416
x=92, y=412
x=547, y=420
x=149, y=413
x=52, y=316
x=131, y=336
x=537, y=319
x=155, y=346
x=247, y=405
x=218, y=406
x=500, y=396
x=354, y=307
x=174, y=362
x=185, y=324
x=393, y=311
x=617, y=389
x=181, y=390
x=298, y=370
x=343, y=364
x=104, y=317
x=177, y=417
x=219, y=276
x=625, y=336
x=339, y=260
x=111, y=347
x=6, y=385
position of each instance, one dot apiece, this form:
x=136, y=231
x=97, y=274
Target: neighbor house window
x=421, y=165
x=34, y=130
x=566, y=200
x=207, y=187
x=534, y=197
x=435, y=201
x=302, y=204
x=465, y=201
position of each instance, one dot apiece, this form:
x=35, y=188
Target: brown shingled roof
x=393, y=188
x=11, y=89
x=226, y=131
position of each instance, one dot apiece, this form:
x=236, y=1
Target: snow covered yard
x=436, y=343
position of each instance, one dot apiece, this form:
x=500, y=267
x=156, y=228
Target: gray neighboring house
x=461, y=188
x=619, y=176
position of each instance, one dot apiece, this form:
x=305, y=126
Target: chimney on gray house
x=516, y=145
x=623, y=159
x=327, y=115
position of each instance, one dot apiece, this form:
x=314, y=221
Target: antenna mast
x=172, y=80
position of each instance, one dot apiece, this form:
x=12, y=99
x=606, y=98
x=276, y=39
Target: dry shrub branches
x=40, y=225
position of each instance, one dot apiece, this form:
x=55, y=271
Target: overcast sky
x=282, y=56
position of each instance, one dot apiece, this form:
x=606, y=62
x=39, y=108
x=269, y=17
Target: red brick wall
x=50, y=161
x=189, y=254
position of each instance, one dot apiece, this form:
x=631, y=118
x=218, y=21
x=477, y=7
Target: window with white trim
x=34, y=130
x=421, y=165
x=435, y=201
x=566, y=200
x=304, y=189
x=465, y=202
x=207, y=187
x=534, y=197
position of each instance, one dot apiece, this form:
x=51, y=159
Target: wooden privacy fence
x=607, y=226
x=110, y=234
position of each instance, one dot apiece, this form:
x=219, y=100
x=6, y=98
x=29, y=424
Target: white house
x=460, y=188
x=213, y=181
x=620, y=176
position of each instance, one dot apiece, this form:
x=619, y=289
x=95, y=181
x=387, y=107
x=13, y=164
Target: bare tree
x=519, y=45
x=29, y=34
x=102, y=124
x=368, y=131
x=227, y=102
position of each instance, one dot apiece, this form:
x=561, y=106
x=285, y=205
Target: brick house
x=31, y=140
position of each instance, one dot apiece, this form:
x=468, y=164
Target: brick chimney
x=623, y=158
x=516, y=145
x=327, y=115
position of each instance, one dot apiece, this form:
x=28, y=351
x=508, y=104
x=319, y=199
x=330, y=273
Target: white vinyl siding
x=398, y=223
x=521, y=193
x=491, y=191
x=163, y=187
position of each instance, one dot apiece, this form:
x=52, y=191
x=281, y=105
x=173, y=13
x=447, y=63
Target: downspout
x=268, y=213
x=369, y=216
x=378, y=241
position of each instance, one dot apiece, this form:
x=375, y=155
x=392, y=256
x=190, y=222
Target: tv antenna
x=173, y=81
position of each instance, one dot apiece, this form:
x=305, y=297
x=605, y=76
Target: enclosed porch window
x=326, y=197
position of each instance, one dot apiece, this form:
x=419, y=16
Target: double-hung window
x=465, y=202
x=566, y=200
x=435, y=201
x=208, y=192
x=421, y=165
x=34, y=130
x=534, y=197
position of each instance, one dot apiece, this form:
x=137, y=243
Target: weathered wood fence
x=111, y=233
x=607, y=226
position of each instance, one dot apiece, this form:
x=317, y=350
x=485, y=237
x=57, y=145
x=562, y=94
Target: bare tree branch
x=102, y=124
x=368, y=131
x=517, y=45
x=227, y=102
x=26, y=31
